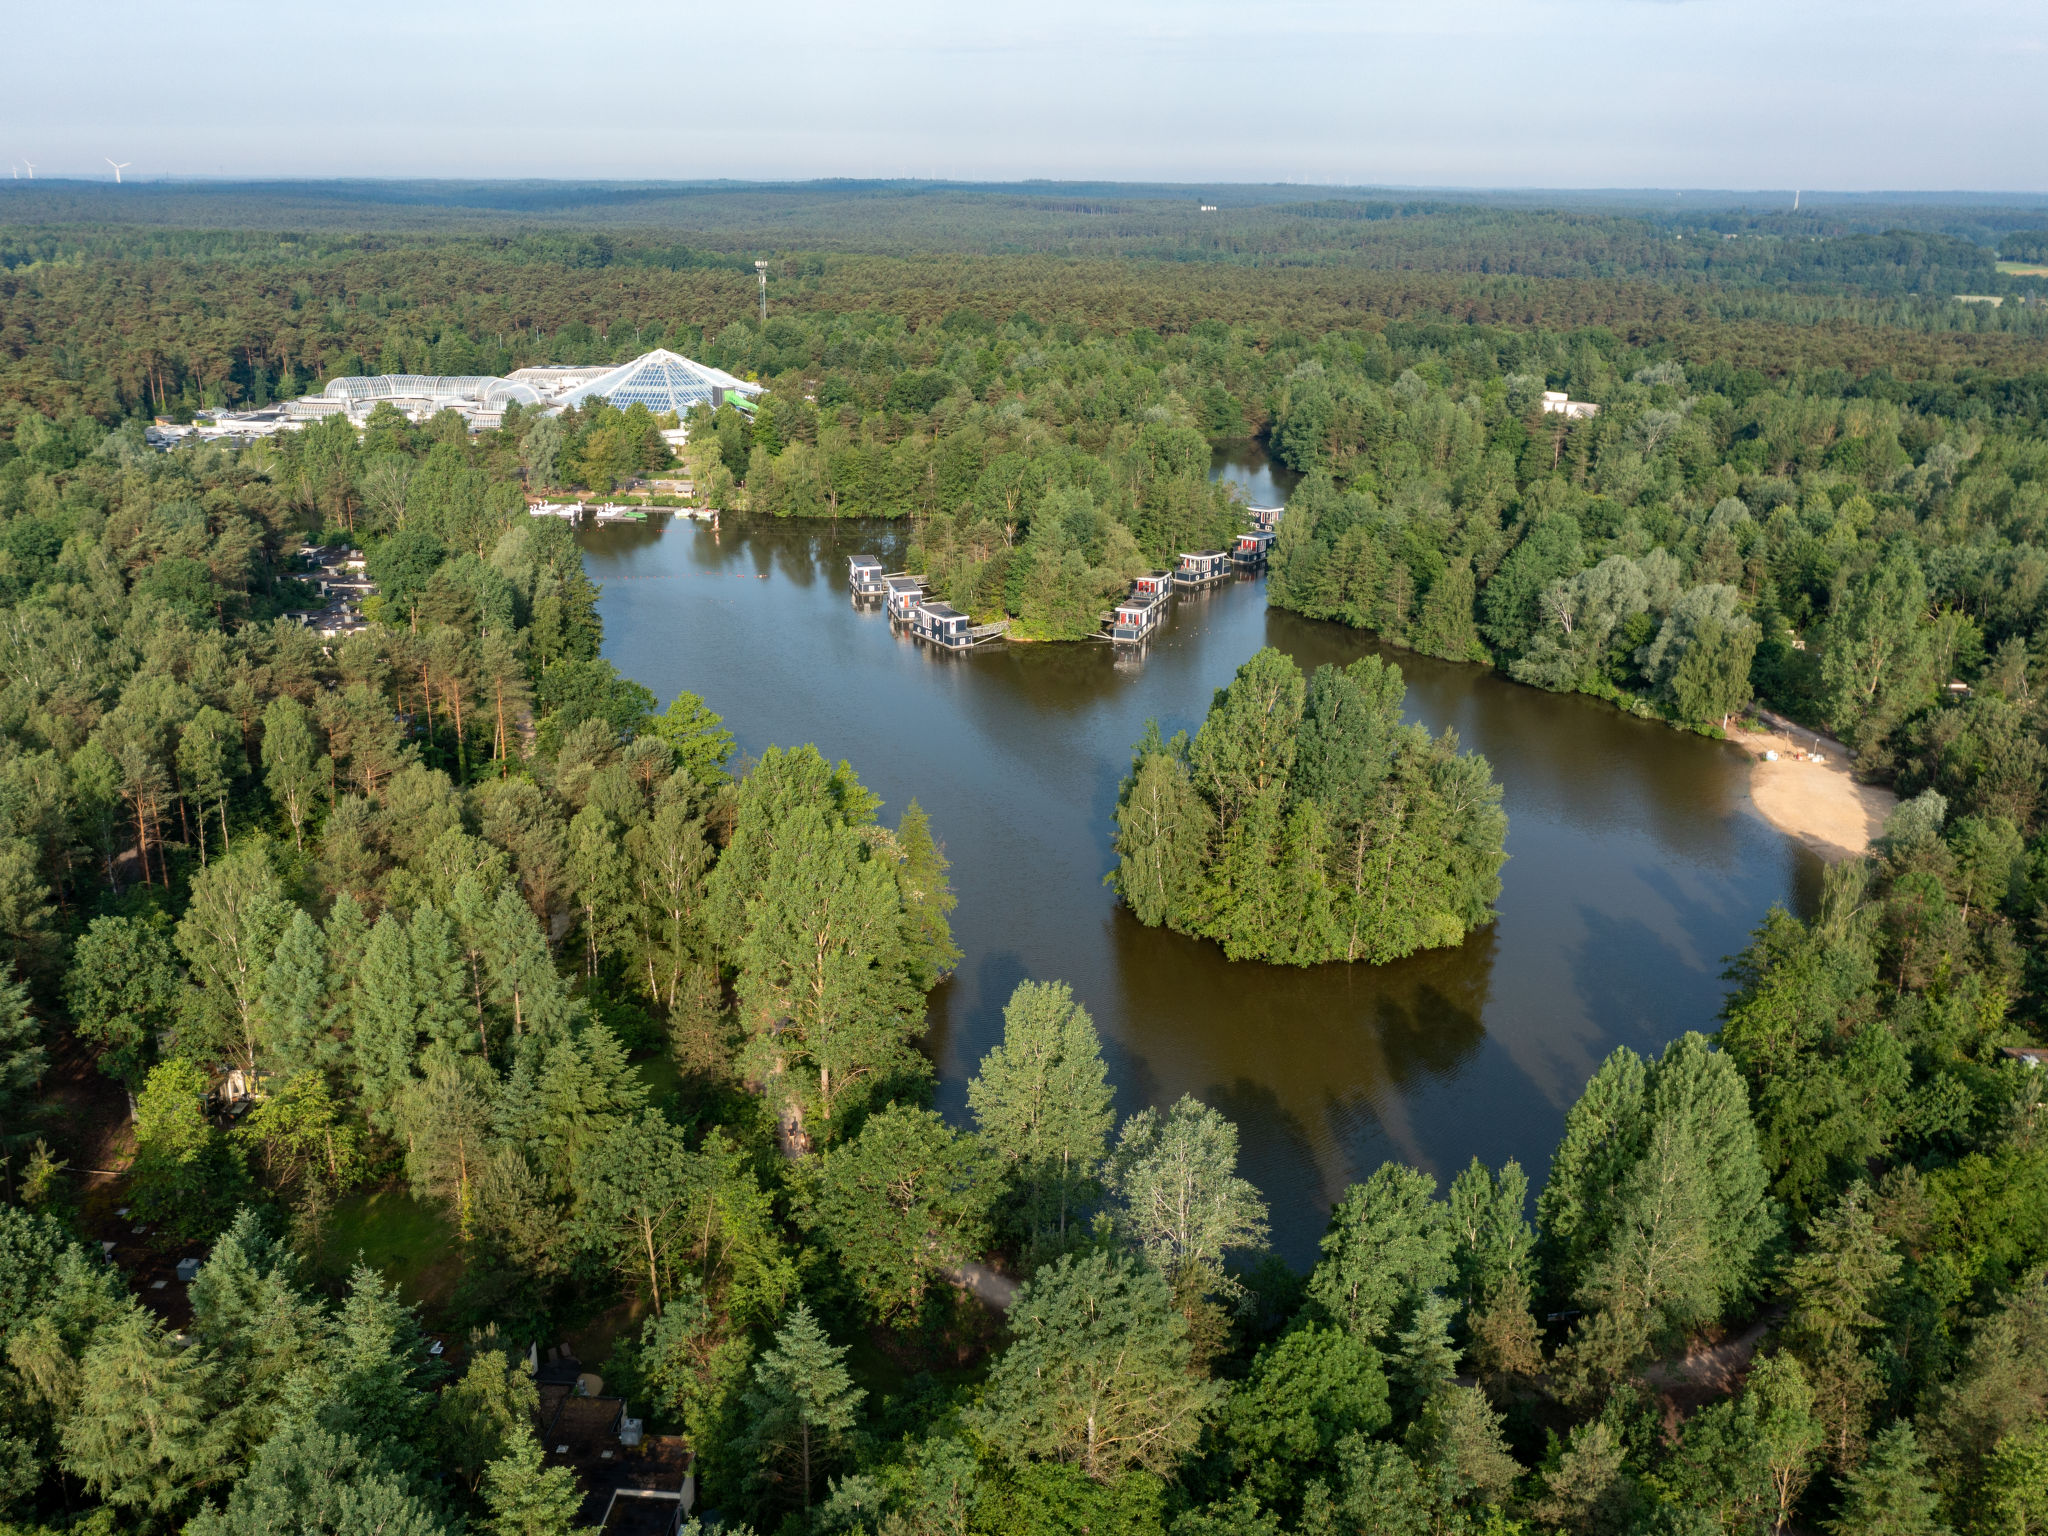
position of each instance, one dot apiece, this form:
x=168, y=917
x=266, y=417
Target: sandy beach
x=1817, y=802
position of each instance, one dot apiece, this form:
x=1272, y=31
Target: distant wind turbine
x=119, y=167
x=31, y=168
x=1795, y=200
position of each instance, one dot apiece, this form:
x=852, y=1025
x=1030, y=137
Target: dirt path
x=1817, y=802
x=995, y=1291
x=1707, y=1372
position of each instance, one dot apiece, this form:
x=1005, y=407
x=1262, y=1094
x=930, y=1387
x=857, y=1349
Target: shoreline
x=1818, y=804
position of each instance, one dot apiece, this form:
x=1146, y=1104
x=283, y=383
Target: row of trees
x=1305, y=822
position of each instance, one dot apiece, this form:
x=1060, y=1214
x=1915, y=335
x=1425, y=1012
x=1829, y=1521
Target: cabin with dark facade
x=1201, y=568
x=864, y=574
x=903, y=594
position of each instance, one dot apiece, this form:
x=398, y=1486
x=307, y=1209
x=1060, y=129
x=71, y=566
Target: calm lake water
x=1637, y=864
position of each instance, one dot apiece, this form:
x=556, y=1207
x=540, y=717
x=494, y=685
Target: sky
x=1852, y=95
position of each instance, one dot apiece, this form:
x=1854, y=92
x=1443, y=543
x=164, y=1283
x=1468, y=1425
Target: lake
x=1636, y=863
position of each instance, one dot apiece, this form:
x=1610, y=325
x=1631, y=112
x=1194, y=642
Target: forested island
x=552, y=1019
x=1306, y=823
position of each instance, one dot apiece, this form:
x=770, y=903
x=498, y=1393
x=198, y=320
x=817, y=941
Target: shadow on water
x=1637, y=864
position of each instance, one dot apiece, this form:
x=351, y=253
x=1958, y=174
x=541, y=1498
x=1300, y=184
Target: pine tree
x=1889, y=1494
x=441, y=986
x=1042, y=1100
x=209, y=758
x=230, y=931
x=1604, y=1135
x=1836, y=1284
x=1097, y=1374
x=387, y=1021
x=928, y=897
x=602, y=881
x=802, y=1405
x=290, y=768
x=634, y=1191
x=1490, y=1229
x=145, y=1434
x=523, y=979
x=445, y=1119
x=1426, y=1361
x=527, y=1497
x=1444, y=626
x=823, y=988
x=1162, y=839
x=485, y=1415
x=313, y=1482
x=1388, y=1246
x=295, y=1036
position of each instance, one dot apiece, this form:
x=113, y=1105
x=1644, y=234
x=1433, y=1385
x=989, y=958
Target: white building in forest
x=660, y=380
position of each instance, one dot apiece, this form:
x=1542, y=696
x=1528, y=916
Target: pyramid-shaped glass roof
x=661, y=381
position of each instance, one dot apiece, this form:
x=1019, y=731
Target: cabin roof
x=941, y=610
x=865, y=562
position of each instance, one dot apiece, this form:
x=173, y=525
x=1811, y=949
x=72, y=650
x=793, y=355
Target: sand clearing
x=1818, y=803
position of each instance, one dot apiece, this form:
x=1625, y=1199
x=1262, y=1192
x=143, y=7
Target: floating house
x=1153, y=584
x=1136, y=617
x=1201, y=568
x=942, y=624
x=864, y=574
x=1252, y=547
x=903, y=594
x=1266, y=518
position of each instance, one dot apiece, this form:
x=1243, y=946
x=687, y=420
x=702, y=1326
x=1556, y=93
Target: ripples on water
x=1636, y=863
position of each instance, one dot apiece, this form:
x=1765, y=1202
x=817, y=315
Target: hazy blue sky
x=1851, y=94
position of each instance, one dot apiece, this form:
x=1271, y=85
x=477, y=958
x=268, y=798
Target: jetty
x=1202, y=568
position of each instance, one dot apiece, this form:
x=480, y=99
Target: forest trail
x=995, y=1291
x=1819, y=803
x=1706, y=1372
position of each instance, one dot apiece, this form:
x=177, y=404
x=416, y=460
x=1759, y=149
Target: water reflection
x=1636, y=863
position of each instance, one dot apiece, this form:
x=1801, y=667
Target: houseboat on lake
x=1201, y=568
x=903, y=594
x=865, y=575
x=1252, y=548
x=942, y=624
x=1266, y=519
x=1153, y=584
x=1137, y=616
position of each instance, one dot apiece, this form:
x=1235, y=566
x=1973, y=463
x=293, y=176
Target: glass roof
x=661, y=381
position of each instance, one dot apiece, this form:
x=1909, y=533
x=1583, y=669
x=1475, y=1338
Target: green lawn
x=2024, y=268
x=410, y=1242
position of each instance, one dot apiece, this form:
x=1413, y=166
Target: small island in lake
x=1306, y=823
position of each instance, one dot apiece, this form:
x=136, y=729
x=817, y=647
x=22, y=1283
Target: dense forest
x=625, y=1027
x=1305, y=822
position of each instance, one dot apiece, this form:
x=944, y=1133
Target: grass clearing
x=2023, y=268
x=410, y=1242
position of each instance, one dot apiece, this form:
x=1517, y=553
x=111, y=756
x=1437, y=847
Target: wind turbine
x=31, y=167
x=119, y=167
